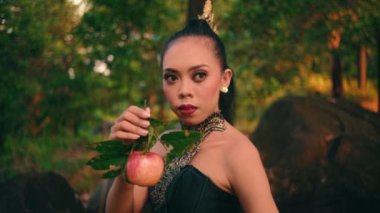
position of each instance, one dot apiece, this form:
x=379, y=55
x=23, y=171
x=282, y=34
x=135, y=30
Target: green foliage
x=112, y=154
x=36, y=54
x=126, y=36
x=273, y=43
x=178, y=141
x=51, y=90
x=22, y=154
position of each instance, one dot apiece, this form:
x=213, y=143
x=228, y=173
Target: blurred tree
x=336, y=67
x=34, y=50
x=377, y=35
x=362, y=65
x=124, y=38
x=378, y=69
x=362, y=25
x=64, y=70
x=284, y=39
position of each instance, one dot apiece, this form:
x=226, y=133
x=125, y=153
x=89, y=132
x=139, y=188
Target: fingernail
x=144, y=132
x=145, y=124
x=147, y=112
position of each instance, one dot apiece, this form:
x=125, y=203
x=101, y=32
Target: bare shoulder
x=239, y=147
x=241, y=157
x=245, y=173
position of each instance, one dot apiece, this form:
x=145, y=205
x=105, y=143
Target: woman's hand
x=131, y=124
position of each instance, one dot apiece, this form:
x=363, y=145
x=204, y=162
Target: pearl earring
x=224, y=89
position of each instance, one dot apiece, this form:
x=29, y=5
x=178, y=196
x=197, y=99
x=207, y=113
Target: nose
x=185, y=89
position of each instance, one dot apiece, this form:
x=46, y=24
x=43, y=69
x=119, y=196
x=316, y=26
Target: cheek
x=211, y=92
x=212, y=87
x=168, y=94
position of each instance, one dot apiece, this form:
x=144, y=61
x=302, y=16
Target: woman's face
x=192, y=78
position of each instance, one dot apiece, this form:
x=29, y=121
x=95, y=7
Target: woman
x=224, y=172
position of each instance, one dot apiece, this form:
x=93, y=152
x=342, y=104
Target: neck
x=214, y=122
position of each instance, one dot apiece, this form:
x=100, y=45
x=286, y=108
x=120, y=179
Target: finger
x=133, y=116
x=128, y=127
x=139, y=112
x=147, y=109
x=132, y=119
x=124, y=136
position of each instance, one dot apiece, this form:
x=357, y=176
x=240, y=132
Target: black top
x=193, y=192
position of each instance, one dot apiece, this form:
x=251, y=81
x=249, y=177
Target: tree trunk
x=362, y=68
x=336, y=68
x=378, y=70
x=336, y=74
x=195, y=9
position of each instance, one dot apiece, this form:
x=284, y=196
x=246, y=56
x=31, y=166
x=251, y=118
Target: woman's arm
x=125, y=197
x=249, y=180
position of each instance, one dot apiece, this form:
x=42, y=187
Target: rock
x=321, y=155
x=38, y=192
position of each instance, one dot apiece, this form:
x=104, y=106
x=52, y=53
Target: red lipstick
x=186, y=109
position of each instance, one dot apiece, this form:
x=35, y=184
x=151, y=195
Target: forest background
x=69, y=67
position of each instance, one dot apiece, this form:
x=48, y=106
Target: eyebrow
x=191, y=68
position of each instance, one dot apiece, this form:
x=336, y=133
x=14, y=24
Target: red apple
x=144, y=169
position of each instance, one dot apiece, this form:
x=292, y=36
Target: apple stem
x=147, y=143
x=152, y=137
x=133, y=148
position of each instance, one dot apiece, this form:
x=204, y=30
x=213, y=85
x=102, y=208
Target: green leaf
x=111, y=146
x=180, y=141
x=117, y=146
x=113, y=153
x=112, y=173
x=139, y=143
x=105, y=161
x=158, y=126
x=155, y=123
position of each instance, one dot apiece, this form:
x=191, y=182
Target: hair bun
x=199, y=25
x=208, y=15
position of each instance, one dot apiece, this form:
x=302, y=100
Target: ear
x=226, y=77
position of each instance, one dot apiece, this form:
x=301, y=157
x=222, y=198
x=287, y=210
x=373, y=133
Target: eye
x=199, y=76
x=170, y=78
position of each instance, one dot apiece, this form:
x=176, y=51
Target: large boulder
x=321, y=155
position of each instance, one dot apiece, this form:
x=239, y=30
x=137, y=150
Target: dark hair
x=199, y=27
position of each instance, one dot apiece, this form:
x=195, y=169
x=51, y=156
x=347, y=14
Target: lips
x=186, y=109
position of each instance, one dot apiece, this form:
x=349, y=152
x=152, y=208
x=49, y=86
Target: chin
x=187, y=120
x=191, y=120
